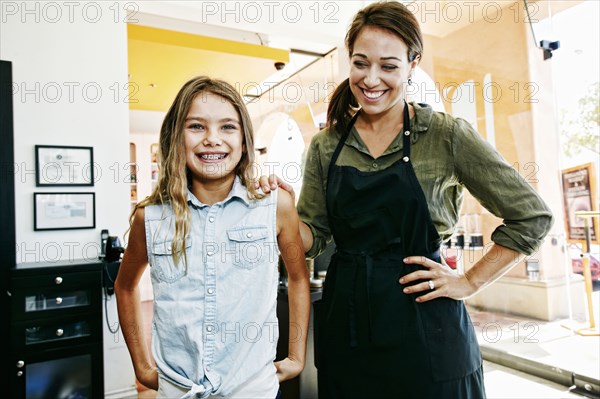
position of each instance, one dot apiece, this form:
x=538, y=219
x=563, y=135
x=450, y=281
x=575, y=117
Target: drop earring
x=409, y=81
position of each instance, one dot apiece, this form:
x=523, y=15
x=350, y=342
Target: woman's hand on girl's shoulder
x=288, y=369
x=269, y=183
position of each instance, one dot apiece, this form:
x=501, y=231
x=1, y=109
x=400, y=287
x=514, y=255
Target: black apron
x=371, y=339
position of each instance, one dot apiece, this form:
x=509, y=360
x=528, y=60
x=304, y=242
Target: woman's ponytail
x=342, y=107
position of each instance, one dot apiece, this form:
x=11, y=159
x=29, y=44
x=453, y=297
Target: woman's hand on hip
x=436, y=281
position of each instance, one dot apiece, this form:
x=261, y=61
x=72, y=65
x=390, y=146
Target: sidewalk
x=541, y=348
x=506, y=383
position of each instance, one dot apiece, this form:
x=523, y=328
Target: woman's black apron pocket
x=450, y=338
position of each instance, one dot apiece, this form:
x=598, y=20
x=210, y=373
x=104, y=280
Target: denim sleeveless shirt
x=215, y=324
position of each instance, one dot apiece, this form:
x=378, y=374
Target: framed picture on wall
x=64, y=211
x=579, y=194
x=64, y=166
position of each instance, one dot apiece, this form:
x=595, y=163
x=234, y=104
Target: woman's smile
x=372, y=94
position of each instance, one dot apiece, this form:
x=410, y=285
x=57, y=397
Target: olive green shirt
x=448, y=155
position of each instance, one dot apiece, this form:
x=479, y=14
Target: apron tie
x=369, y=271
x=352, y=310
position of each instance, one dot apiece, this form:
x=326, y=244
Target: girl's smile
x=211, y=157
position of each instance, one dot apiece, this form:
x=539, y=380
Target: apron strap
x=340, y=144
x=405, y=140
x=406, y=134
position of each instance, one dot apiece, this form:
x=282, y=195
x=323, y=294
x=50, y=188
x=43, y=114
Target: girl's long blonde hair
x=173, y=175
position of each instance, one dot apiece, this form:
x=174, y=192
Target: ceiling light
x=297, y=62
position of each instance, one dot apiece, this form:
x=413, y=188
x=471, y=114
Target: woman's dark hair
x=395, y=18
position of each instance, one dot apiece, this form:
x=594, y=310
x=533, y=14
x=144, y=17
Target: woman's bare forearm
x=493, y=265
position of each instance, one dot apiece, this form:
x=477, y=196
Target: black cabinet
x=56, y=330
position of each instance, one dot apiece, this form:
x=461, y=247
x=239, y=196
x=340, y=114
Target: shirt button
x=407, y=133
x=207, y=368
x=209, y=328
x=209, y=253
x=406, y=159
x=211, y=219
x=249, y=235
x=375, y=164
x=211, y=291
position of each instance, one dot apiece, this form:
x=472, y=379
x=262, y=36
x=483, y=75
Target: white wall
x=59, y=70
x=70, y=73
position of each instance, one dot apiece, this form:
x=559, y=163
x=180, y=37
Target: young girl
x=212, y=243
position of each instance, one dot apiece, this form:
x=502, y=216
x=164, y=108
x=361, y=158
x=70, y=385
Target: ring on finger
x=431, y=285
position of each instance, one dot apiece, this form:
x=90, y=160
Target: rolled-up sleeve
x=501, y=190
x=312, y=207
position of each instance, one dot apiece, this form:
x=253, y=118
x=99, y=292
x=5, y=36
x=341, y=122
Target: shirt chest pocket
x=164, y=268
x=249, y=247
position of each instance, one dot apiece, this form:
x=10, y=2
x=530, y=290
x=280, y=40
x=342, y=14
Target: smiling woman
x=379, y=72
x=385, y=180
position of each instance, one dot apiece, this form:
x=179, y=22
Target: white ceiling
x=311, y=33
x=311, y=26
x=314, y=26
